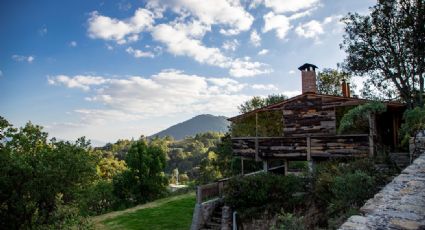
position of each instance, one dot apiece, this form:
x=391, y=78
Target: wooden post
x=286, y=166
x=242, y=165
x=199, y=195
x=371, y=134
x=308, y=148
x=309, y=160
x=257, y=158
x=265, y=166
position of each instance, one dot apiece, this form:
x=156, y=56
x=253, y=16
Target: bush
x=356, y=119
x=251, y=195
x=98, y=199
x=351, y=190
x=289, y=221
x=414, y=122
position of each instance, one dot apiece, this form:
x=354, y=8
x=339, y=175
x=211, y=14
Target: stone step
x=212, y=224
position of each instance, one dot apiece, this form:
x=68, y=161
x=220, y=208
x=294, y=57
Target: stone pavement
x=399, y=205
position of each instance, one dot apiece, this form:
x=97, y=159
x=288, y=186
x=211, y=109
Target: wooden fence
x=214, y=190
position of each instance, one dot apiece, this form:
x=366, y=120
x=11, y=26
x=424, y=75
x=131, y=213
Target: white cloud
x=166, y=93
x=139, y=53
x=178, y=42
x=120, y=31
x=263, y=52
x=22, y=58
x=279, y=23
x=255, y=38
x=270, y=87
x=291, y=72
x=313, y=29
x=243, y=68
x=230, y=45
x=283, y=6
x=80, y=81
x=291, y=93
x=73, y=44
x=229, y=13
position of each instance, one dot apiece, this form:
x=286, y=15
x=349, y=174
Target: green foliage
x=329, y=82
x=35, y=171
x=269, y=124
x=388, y=47
x=287, y=221
x=109, y=166
x=414, y=122
x=183, y=178
x=356, y=120
x=351, y=190
x=259, y=102
x=208, y=171
x=254, y=194
x=98, y=198
x=186, y=155
x=199, y=124
x=144, y=180
x=340, y=189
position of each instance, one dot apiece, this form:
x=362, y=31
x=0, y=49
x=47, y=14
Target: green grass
x=168, y=213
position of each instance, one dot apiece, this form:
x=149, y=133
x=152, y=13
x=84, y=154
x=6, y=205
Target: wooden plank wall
x=310, y=115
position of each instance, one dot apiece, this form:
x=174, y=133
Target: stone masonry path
x=399, y=205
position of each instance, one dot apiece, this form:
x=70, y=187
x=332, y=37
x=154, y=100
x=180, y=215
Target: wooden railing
x=303, y=148
x=216, y=189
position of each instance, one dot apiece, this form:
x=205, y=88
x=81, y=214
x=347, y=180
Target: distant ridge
x=199, y=124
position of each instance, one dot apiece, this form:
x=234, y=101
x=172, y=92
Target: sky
x=111, y=70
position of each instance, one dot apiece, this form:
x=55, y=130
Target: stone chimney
x=308, y=78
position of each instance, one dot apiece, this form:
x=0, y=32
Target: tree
x=258, y=102
x=329, y=82
x=38, y=177
x=389, y=46
x=144, y=180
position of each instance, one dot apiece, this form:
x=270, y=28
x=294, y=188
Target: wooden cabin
x=304, y=127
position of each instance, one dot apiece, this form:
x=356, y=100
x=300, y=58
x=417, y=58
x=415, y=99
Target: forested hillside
x=199, y=124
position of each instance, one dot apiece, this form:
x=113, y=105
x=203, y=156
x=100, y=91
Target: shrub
x=254, y=194
x=356, y=119
x=351, y=190
x=414, y=122
x=98, y=198
x=289, y=221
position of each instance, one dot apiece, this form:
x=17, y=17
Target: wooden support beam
x=371, y=134
x=286, y=166
x=199, y=195
x=308, y=148
x=257, y=158
x=242, y=165
x=265, y=166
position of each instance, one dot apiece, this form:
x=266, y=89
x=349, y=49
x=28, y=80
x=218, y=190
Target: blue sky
x=120, y=69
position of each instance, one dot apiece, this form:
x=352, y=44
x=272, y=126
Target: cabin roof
x=351, y=100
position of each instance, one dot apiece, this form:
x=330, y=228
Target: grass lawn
x=169, y=213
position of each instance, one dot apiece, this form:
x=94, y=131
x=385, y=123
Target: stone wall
x=417, y=146
x=399, y=205
x=203, y=212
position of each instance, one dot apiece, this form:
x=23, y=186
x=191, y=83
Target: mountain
x=199, y=124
